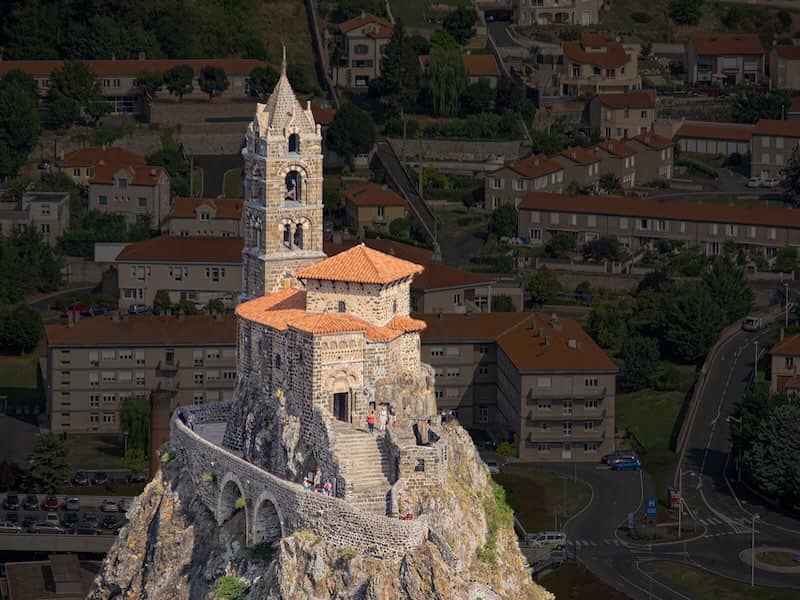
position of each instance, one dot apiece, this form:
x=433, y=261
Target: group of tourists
x=386, y=417
x=313, y=483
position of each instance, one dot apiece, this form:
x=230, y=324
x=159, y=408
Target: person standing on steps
x=384, y=417
x=371, y=421
x=317, y=479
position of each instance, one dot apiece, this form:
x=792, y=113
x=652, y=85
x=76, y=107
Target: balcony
x=218, y=384
x=168, y=366
x=578, y=414
x=586, y=394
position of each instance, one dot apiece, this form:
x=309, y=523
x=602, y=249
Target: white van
x=752, y=323
x=547, y=539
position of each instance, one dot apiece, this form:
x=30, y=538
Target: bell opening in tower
x=298, y=236
x=294, y=143
x=293, y=191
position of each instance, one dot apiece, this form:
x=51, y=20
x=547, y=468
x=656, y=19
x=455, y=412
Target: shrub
x=240, y=502
x=400, y=227
x=262, y=551
x=507, y=449
x=641, y=17
x=165, y=458
x=208, y=477
x=230, y=588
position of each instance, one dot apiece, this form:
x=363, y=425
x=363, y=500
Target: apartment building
x=622, y=115
x=619, y=159
x=508, y=184
x=95, y=364
x=205, y=216
x=581, y=167
x=784, y=67
x=771, y=145
x=596, y=64
x=117, y=78
x=80, y=164
x=725, y=59
x=479, y=67
x=46, y=212
x=134, y=191
x=715, y=138
x=357, y=51
x=536, y=380
x=637, y=222
x=195, y=268
x=654, y=157
x=373, y=206
x=561, y=12
x=785, y=357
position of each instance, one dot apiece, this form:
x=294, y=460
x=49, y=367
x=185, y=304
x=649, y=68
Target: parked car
x=109, y=522
x=8, y=527
x=30, y=502
x=28, y=521
x=84, y=528
x=616, y=455
x=76, y=307
x=81, y=478
x=754, y=182
x=90, y=517
x=493, y=466
x=626, y=464
x=12, y=517
x=547, y=539
x=770, y=182
x=100, y=478
x=70, y=518
x=45, y=527
x=50, y=503
x=138, y=309
x=109, y=506
x=52, y=518
x=137, y=478
x=72, y=504
x=11, y=502
x=97, y=310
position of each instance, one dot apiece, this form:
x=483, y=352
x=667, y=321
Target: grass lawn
x=232, y=184
x=651, y=416
x=779, y=559
x=703, y=585
x=536, y=495
x=197, y=182
x=287, y=22
x=573, y=581
x=418, y=13
x=660, y=27
x=19, y=381
x=95, y=452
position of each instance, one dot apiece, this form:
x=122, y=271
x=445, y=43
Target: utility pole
x=753, y=550
x=191, y=175
x=755, y=366
x=564, y=481
x=680, y=501
x=786, y=299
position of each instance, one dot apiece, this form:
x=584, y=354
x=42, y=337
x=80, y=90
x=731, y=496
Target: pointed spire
x=283, y=62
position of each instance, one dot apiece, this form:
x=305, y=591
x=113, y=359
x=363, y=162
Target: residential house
x=195, y=268
x=80, y=164
x=784, y=67
x=622, y=115
x=715, y=138
x=794, y=109
x=46, y=212
x=480, y=67
x=637, y=222
x=117, y=78
x=771, y=146
x=581, y=167
x=562, y=12
x=357, y=52
x=654, y=157
x=785, y=356
x=371, y=206
x=508, y=184
x=205, y=216
x=536, y=380
x=725, y=59
x=95, y=364
x=619, y=159
x=135, y=191
x=596, y=64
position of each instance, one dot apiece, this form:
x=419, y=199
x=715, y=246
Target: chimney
x=547, y=340
x=115, y=316
x=572, y=343
x=384, y=187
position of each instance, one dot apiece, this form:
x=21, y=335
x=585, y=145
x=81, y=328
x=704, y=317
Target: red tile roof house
x=771, y=146
x=206, y=216
x=725, y=59
x=359, y=48
x=480, y=67
x=784, y=67
x=79, y=164
x=135, y=191
x=622, y=115
x=654, y=157
x=508, y=184
x=619, y=159
x=373, y=206
x=715, y=138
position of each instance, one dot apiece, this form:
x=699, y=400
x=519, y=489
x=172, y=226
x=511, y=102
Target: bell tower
x=282, y=191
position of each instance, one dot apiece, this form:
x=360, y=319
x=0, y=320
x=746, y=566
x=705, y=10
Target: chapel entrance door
x=341, y=408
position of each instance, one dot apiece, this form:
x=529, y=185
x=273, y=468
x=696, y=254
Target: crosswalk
x=594, y=543
x=716, y=527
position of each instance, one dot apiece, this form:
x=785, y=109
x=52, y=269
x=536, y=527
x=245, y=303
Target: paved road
x=214, y=168
x=499, y=32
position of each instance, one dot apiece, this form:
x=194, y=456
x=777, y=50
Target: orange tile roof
x=640, y=99
x=715, y=132
x=580, y=155
x=616, y=148
x=322, y=114
x=794, y=106
x=144, y=330
x=654, y=141
x=361, y=264
x=438, y=276
x=788, y=51
x=200, y=249
x=364, y=19
x=225, y=208
x=535, y=166
x=94, y=155
x=139, y=174
x=481, y=65
x=668, y=209
x=788, y=346
x=475, y=327
x=777, y=127
x=402, y=323
x=131, y=68
x=719, y=44
x=612, y=56
x=372, y=194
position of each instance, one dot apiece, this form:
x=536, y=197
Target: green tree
x=609, y=182
x=262, y=81
x=400, y=227
x=692, y=321
x=213, y=80
x=477, y=98
x=640, y=356
x=510, y=93
x=784, y=19
x=134, y=420
x=446, y=77
x=20, y=329
x=77, y=82
x=442, y=39
x=728, y=287
x=503, y=221
x=216, y=306
x=351, y=132
x=48, y=464
x=773, y=458
x=150, y=82
x=603, y=248
x=608, y=324
x=398, y=85
x=685, y=12
x=179, y=80
x=786, y=261
x=94, y=227
x=19, y=122
x=791, y=176
x=749, y=107
x=61, y=111
x=461, y=23
x=561, y=243
x=502, y=303
x=172, y=158
x=353, y=8
x=543, y=286
x=161, y=302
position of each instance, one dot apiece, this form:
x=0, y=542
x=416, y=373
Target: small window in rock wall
x=277, y=361
x=342, y=306
x=394, y=306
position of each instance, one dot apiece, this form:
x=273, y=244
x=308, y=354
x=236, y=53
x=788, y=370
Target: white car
x=493, y=466
x=754, y=182
x=6, y=527
x=109, y=506
x=770, y=182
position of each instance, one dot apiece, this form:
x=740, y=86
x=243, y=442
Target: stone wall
x=375, y=304
x=461, y=150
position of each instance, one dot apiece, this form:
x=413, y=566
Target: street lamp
x=753, y=551
x=786, y=302
x=755, y=365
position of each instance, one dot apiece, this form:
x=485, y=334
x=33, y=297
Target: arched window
x=287, y=235
x=298, y=235
x=342, y=306
x=277, y=361
x=294, y=143
x=293, y=187
x=394, y=306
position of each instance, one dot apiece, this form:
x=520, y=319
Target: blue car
x=626, y=464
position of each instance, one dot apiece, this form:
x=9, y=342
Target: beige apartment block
x=596, y=64
x=46, y=212
x=373, y=206
x=95, y=364
x=80, y=164
x=537, y=380
x=134, y=191
x=197, y=268
x=771, y=145
x=715, y=138
x=784, y=67
x=619, y=159
x=561, y=12
x=654, y=157
x=358, y=50
x=786, y=365
x=622, y=115
x=205, y=216
x=725, y=59
x=581, y=167
x=509, y=184
x=637, y=223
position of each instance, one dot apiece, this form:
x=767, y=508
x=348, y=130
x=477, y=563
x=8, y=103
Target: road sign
x=651, y=507
x=630, y=521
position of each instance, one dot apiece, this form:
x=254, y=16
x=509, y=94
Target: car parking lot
x=49, y=514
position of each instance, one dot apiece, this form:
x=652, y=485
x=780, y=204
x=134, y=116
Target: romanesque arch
x=268, y=522
x=231, y=489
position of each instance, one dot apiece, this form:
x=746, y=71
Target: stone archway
x=268, y=521
x=230, y=491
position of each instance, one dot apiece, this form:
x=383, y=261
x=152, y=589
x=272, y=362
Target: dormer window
x=204, y=216
x=294, y=143
x=122, y=183
x=342, y=306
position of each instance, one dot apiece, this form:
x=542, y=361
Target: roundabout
x=776, y=560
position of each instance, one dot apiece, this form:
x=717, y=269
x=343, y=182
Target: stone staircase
x=365, y=466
